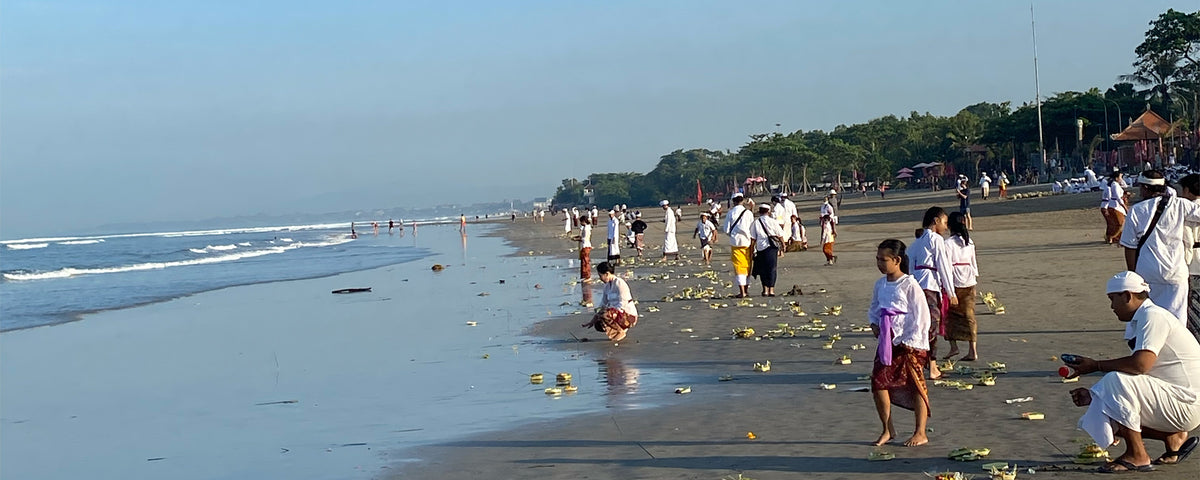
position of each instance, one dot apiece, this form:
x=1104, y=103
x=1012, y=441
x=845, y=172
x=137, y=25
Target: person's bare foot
x=884, y=437
x=917, y=439
x=934, y=373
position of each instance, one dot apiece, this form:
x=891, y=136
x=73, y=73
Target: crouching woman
x=617, y=313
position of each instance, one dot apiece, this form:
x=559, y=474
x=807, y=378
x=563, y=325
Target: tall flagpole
x=1038, y=88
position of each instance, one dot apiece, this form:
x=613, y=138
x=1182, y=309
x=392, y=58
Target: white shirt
x=1191, y=235
x=585, y=235
x=929, y=252
x=764, y=227
x=984, y=181
x=612, y=228
x=798, y=233
x=1114, y=197
x=1090, y=176
x=1161, y=259
x=705, y=229
x=826, y=232
x=738, y=230
x=1158, y=331
x=669, y=219
x=780, y=214
x=791, y=207
x=616, y=295
x=962, y=258
x=903, y=295
x=827, y=209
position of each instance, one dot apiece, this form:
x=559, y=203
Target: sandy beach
x=1042, y=257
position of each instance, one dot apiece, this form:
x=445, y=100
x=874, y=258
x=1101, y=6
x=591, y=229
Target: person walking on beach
x=614, y=243
x=768, y=244
x=827, y=207
x=985, y=182
x=639, y=232
x=670, y=243
x=705, y=231
x=567, y=221
x=960, y=320
x=617, y=313
x=1002, y=182
x=964, y=200
x=1151, y=393
x=931, y=269
x=899, y=318
x=737, y=226
x=781, y=216
x=1190, y=190
x=799, y=241
x=1113, y=208
x=1154, y=245
x=828, y=236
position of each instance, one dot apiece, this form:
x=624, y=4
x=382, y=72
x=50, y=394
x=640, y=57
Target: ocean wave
x=220, y=248
x=26, y=246
x=189, y=233
x=82, y=242
x=73, y=272
x=197, y=250
x=244, y=244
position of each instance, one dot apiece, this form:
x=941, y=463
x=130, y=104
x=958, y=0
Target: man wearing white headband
x=1153, y=241
x=670, y=244
x=737, y=225
x=1152, y=393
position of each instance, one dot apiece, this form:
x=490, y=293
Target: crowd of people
x=927, y=294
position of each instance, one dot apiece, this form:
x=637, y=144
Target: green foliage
x=982, y=136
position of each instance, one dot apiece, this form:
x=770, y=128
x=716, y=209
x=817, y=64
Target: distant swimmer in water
x=375, y=226
x=353, y=234
x=391, y=225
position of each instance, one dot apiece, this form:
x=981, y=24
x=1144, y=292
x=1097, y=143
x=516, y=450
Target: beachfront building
x=1142, y=142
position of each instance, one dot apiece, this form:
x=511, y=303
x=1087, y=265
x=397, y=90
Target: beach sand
x=1043, y=257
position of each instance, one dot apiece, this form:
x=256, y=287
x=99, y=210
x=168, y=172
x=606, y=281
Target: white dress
x=670, y=243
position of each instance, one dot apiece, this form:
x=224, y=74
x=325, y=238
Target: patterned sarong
x=960, y=320
x=585, y=263
x=614, y=323
x=904, y=379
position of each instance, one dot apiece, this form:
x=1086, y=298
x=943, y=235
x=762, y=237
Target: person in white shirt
x=585, y=249
x=827, y=207
x=792, y=214
x=705, y=230
x=567, y=222
x=1089, y=177
x=768, y=244
x=899, y=318
x=1112, y=207
x=617, y=312
x=1158, y=255
x=780, y=214
x=737, y=226
x=1002, y=183
x=1190, y=190
x=1056, y=187
x=799, y=237
x=985, y=182
x=931, y=268
x=670, y=243
x=960, y=320
x=1152, y=393
x=614, y=245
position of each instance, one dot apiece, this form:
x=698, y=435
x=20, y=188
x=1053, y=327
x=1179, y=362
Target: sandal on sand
x=1181, y=454
x=1125, y=467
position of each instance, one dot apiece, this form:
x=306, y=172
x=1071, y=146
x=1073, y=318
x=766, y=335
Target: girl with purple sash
x=899, y=316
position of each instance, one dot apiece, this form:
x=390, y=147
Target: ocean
x=238, y=362
x=46, y=281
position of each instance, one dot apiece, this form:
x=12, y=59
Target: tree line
x=980, y=137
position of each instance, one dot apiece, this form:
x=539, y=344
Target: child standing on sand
x=828, y=234
x=899, y=317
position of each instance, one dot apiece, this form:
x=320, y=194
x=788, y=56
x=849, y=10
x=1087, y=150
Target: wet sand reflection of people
x=619, y=377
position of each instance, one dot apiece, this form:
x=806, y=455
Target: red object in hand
x=1064, y=371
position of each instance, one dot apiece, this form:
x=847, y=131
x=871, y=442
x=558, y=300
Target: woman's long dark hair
x=898, y=249
x=931, y=215
x=958, y=226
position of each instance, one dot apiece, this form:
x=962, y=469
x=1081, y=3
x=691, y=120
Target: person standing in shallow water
x=585, y=249
x=899, y=318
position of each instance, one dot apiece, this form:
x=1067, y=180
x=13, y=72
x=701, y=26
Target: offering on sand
x=1033, y=415
x=563, y=378
x=1091, y=453
x=964, y=454
x=762, y=367
x=878, y=456
x=535, y=378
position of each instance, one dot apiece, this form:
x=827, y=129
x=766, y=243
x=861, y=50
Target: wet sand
x=1043, y=258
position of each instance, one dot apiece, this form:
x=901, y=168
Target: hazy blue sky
x=150, y=110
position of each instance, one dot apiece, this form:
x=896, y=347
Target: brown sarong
x=614, y=323
x=960, y=320
x=1114, y=222
x=904, y=379
x=827, y=249
x=585, y=263
x=934, y=299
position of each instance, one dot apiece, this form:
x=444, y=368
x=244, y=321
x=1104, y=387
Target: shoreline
x=799, y=427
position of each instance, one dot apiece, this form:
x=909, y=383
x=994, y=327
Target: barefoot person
x=585, y=249
x=705, y=230
x=931, y=269
x=1152, y=393
x=899, y=318
x=670, y=243
x=768, y=245
x=960, y=320
x=617, y=313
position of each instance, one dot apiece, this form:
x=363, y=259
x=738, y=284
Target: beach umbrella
x=904, y=175
x=922, y=165
x=906, y=170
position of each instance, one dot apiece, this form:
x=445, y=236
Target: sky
x=134, y=111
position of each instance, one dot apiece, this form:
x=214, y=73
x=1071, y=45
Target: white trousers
x=1136, y=402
